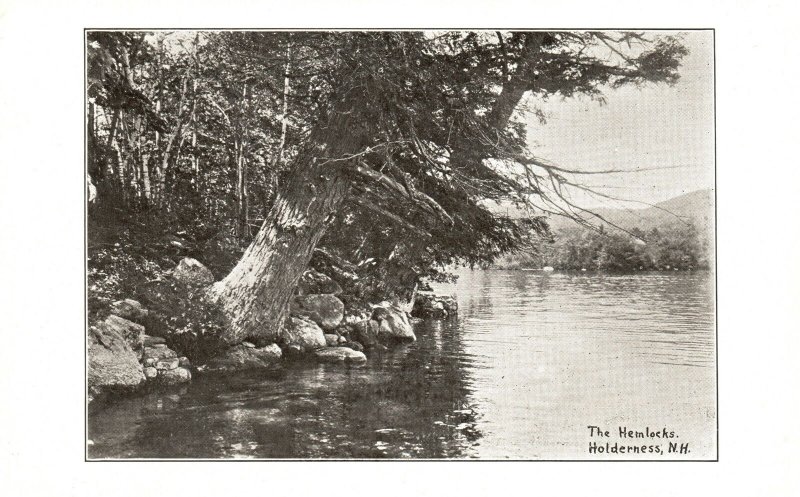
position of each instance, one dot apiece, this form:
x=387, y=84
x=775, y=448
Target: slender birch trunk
x=241, y=190
x=241, y=168
x=119, y=171
x=146, y=177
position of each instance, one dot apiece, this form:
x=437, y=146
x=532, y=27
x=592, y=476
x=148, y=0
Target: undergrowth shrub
x=191, y=325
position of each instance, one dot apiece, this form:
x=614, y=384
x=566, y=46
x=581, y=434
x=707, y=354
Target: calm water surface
x=531, y=361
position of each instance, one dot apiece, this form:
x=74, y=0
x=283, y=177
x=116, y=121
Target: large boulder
x=174, y=376
x=132, y=333
x=334, y=340
x=167, y=364
x=158, y=352
x=162, y=364
x=366, y=333
x=388, y=323
x=302, y=334
x=241, y=356
x=392, y=322
x=314, y=282
x=353, y=345
x=113, y=365
x=191, y=272
x=130, y=309
x=431, y=305
x=150, y=341
x=324, y=309
x=339, y=354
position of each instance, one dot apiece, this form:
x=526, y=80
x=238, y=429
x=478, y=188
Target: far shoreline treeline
x=675, y=246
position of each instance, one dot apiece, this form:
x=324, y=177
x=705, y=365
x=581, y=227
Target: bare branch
x=397, y=219
x=412, y=193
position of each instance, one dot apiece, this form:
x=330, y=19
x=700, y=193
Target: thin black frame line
x=716, y=236
x=85, y=249
x=411, y=460
x=355, y=29
x=86, y=254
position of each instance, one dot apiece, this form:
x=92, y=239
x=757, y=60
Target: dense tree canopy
x=395, y=141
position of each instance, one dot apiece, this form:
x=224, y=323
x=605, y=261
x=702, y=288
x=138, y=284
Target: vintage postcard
x=491, y=244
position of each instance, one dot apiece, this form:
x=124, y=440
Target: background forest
x=673, y=235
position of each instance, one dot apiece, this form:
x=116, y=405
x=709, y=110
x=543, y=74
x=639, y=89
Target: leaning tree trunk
x=255, y=295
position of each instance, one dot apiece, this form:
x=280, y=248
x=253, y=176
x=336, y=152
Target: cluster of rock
x=123, y=358
x=387, y=323
x=313, y=327
x=245, y=356
x=316, y=326
x=429, y=305
x=192, y=272
x=162, y=364
x=317, y=320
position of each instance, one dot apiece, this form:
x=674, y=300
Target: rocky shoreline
x=124, y=359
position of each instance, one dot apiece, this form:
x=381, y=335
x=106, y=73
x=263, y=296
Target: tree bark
x=146, y=177
x=113, y=129
x=195, y=158
x=243, y=227
x=517, y=84
x=241, y=191
x=513, y=90
x=120, y=167
x=161, y=173
x=91, y=140
x=255, y=295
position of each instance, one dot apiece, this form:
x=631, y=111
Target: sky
x=668, y=129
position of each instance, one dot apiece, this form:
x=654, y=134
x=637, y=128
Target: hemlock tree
x=419, y=130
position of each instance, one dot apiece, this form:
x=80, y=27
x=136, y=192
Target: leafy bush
x=180, y=314
x=115, y=274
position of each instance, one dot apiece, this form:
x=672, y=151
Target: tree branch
x=427, y=202
x=397, y=219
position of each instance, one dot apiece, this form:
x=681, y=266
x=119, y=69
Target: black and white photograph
x=431, y=248
x=444, y=244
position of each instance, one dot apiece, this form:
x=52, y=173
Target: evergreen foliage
x=197, y=132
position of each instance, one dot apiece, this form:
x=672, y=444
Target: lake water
x=532, y=360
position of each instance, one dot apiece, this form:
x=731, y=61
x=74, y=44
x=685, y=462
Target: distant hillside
x=683, y=239
x=695, y=207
